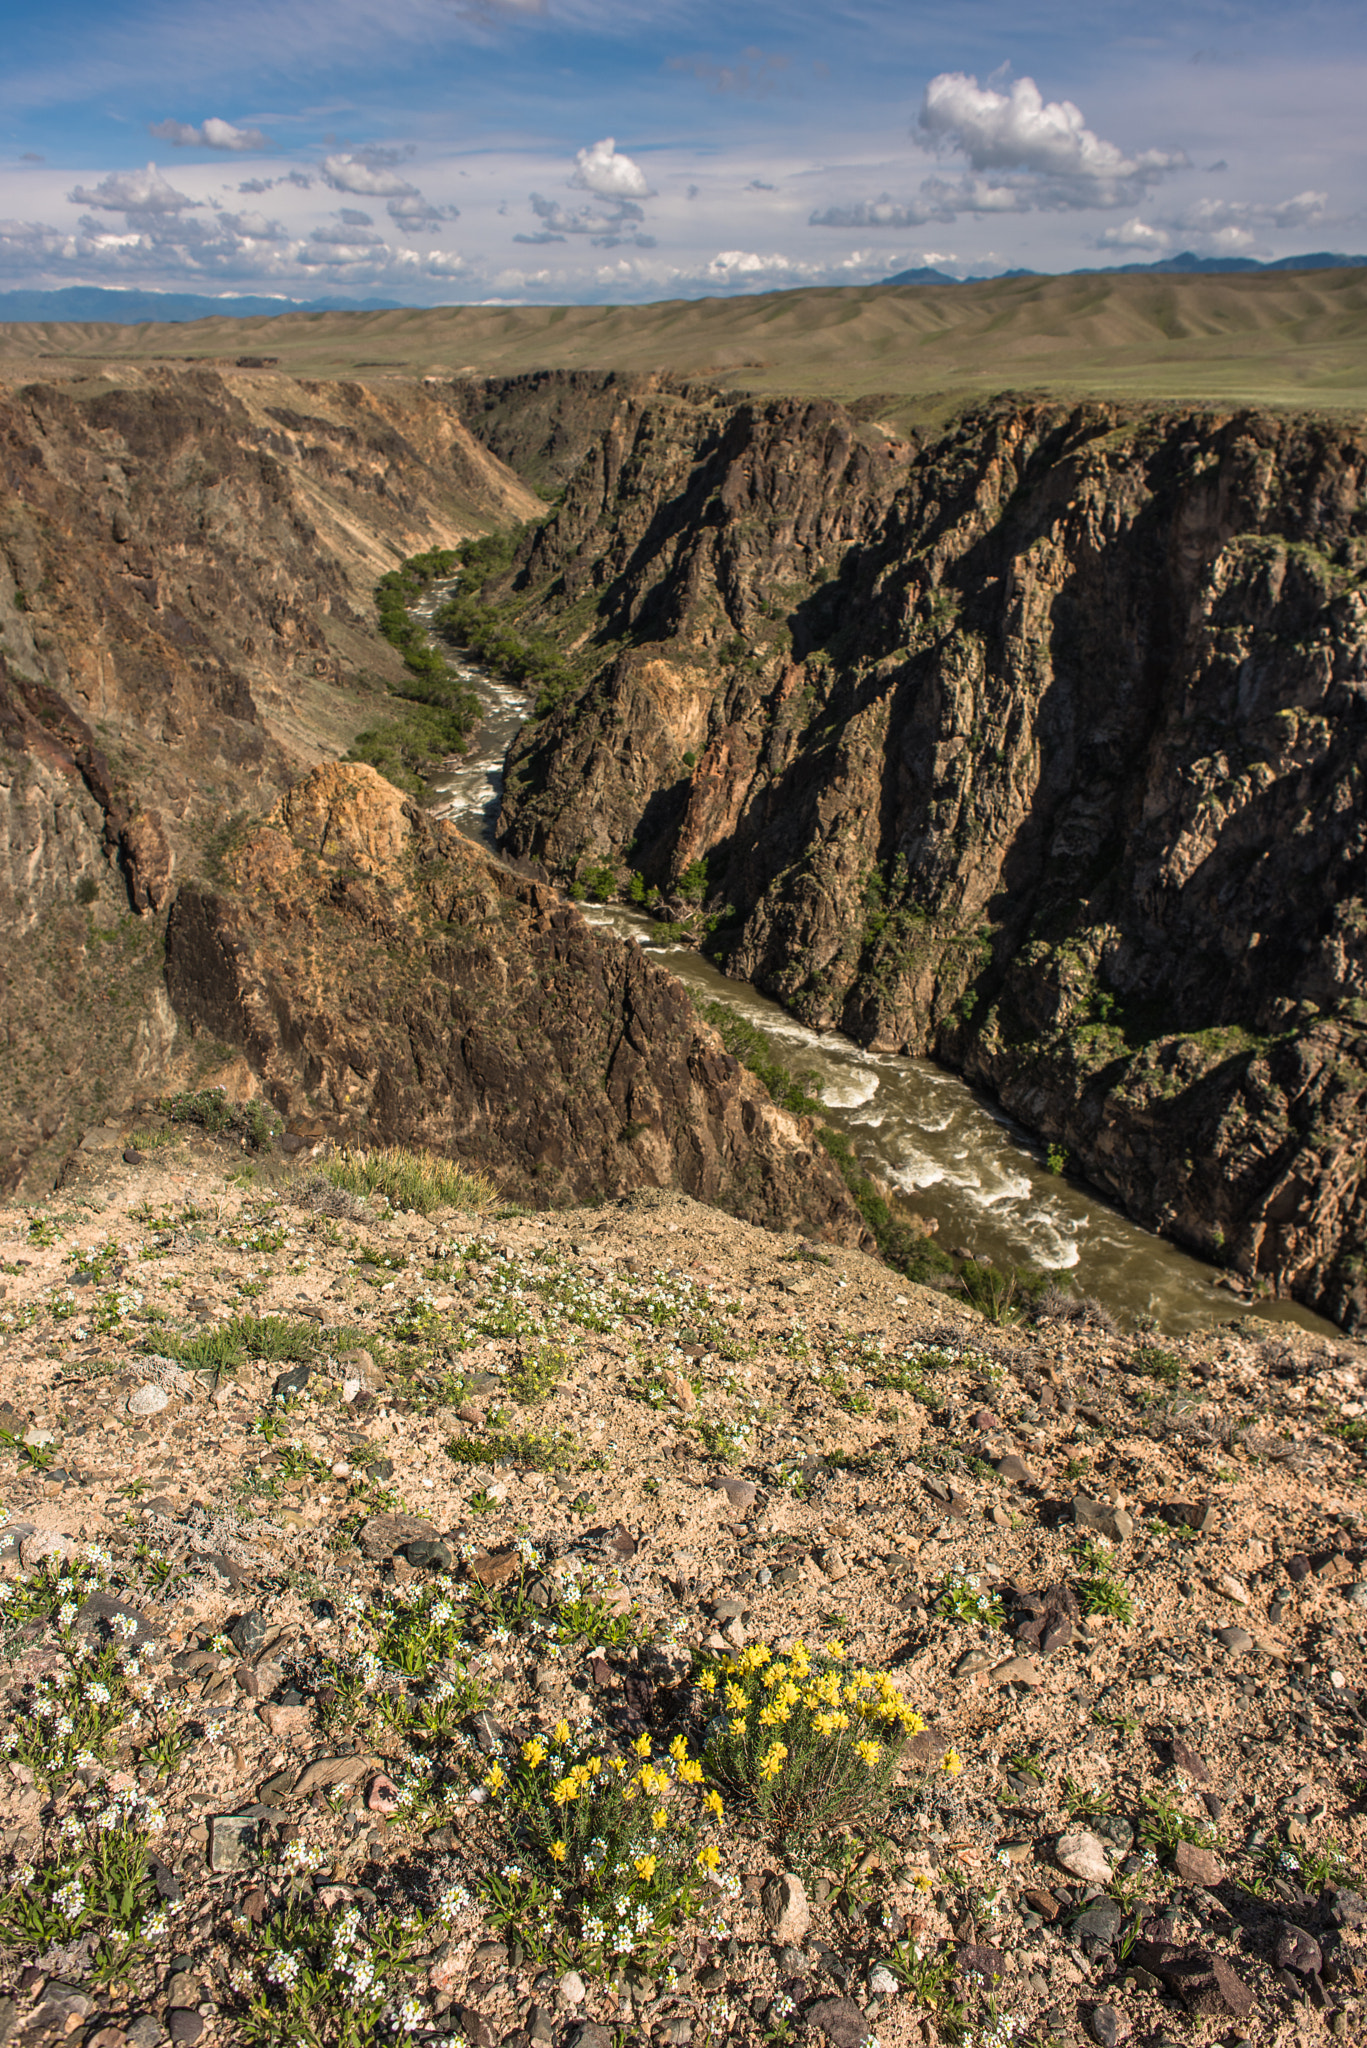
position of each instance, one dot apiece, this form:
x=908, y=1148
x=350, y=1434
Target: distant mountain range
x=1188, y=264
x=131, y=308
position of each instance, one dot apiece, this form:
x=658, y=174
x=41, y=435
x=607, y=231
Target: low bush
x=418, y=1181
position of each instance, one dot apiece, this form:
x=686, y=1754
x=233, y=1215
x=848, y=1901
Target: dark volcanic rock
x=377, y=968
x=1063, y=714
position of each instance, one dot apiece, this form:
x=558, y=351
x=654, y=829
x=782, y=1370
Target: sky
x=443, y=152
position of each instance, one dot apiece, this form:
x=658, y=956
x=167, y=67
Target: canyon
x=1034, y=742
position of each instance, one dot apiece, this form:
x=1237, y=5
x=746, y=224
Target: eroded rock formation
x=1040, y=747
x=379, y=969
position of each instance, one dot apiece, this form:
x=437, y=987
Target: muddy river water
x=952, y=1153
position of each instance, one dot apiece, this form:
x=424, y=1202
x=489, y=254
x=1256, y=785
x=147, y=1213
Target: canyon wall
x=186, y=624
x=1039, y=747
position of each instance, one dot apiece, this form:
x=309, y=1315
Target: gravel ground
x=314, y=1520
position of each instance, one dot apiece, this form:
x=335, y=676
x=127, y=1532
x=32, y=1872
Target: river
x=951, y=1152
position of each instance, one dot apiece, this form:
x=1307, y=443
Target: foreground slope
x=328, y=1511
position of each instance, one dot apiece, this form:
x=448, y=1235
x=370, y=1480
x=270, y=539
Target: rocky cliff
x=186, y=623
x=382, y=973
x=1039, y=747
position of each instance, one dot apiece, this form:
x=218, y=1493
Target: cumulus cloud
x=602, y=170
x=412, y=211
x=133, y=192
x=939, y=199
x=1019, y=130
x=608, y=227
x=210, y=134
x=1134, y=234
x=1213, y=216
x=370, y=174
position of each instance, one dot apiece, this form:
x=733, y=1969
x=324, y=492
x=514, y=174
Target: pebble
x=785, y=1907
x=1102, y=1519
x=971, y=1662
x=288, y=1384
x=572, y=1988
x=148, y=1399
x=232, y=1840
x=881, y=1982
x=1236, y=1640
x=382, y=1795
x=183, y=2023
x=741, y=1493
x=1083, y=1855
x=1105, y=2025
x=247, y=1633
x=1298, y=1950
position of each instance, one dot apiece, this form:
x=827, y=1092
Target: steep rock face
x=382, y=972
x=1042, y=748
x=186, y=621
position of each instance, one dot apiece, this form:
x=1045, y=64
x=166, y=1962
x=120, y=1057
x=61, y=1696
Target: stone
x=1234, y=1993
x=740, y=1493
x=1298, y=1568
x=143, y=2030
x=232, y=1841
x=881, y=1982
x=381, y=1536
x=1298, y=1950
x=183, y=2023
x=1017, y=1671
x=428, y=1553
x=1198, y=1516
x=783, y=1902
x=1233, y=1589
x=326, y=1771
x=288, y=1385
x=148, y=1399
x=588, y=2034
x=1082, y=1854
x=1195, y=1865
x=44, y=1543
x=1356, y=1594
x=1190, y=1761
x=1015, y=1470
x=1345, y=1908
x=494, y=1569
x=13, y=1535
x=1236, y=1640
x=1104, y=2024
x=839, y=2019
x=475, y=2027
x=247, y=1634
x=1100, y=1518
x=572, y=1988
x=972, y=1662
x=382, y=1795
x=1098, y=1925
x=1043, y=1903
x=101, y=1613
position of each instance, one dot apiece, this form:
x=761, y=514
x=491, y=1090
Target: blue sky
x=453, y=151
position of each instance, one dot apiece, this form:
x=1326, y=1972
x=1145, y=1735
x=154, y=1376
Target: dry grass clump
x=417, y=1181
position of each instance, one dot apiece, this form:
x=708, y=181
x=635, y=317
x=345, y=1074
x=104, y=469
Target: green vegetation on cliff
x=488, y=629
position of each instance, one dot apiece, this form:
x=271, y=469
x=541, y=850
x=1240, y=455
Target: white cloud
x=370, y=175
x=607, y=226
x=412, y=211
x=1019, y=130
x=210, y=134
x=133, y=192
x=731, y=263
x=1214, y=216
x=602, y=170
x=1134, y=234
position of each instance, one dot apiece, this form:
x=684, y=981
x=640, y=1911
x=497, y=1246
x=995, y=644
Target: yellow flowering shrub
x=807, y=1739
x=607, y=1855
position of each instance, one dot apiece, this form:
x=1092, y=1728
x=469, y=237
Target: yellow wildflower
x=835, y=1648
x=558, y=1851
x=773, y=1760
x=659, y=1819
x=911, y=1720
x=921, y=1881
x=645, y=1868
x=496, y=1779
x=707, y=1681
x=690, y=1772
x=738, y=1725
x=561, y=1731
x=619, y=1764
x=735, y=1697
x=563, y=1790
x=712, y=1804
x=678, y=1749
x=709, y=1857
x=534, y=1752
x=868, y=1752
x=951, y=1762
x=642, y=1745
